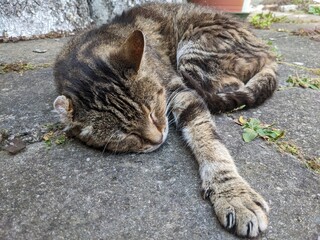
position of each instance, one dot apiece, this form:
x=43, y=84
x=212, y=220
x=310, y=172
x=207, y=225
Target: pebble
x=40, y=50
x=298, y=63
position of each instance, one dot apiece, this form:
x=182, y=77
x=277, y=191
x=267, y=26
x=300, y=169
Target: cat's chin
x=152, y=148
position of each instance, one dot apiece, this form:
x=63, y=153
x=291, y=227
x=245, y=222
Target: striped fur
x=118, y=83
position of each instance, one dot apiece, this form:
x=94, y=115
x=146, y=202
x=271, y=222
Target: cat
x=119, y=83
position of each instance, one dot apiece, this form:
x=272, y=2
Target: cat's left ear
x=64, y=108
x=131, y=51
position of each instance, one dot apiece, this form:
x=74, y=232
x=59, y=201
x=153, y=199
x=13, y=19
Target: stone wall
x=26, y=18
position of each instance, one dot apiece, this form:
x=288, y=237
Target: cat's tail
x=260, y=87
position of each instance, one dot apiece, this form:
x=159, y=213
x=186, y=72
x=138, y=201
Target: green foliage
x=315, y=71
x=315, y=10
x=15, y=67
x=275, y=50
x=54, y=135
x=314, y=164
x=289, y=147
x=20, y=67
x=264, y=20
x=304, y=82
x=253, y=128
x=60, y=139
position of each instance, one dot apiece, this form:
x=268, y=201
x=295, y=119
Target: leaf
x=280, y=133
x=242, y=120
x=261, y=132
x=249, y=134
x=253, y=123
x=274, y=134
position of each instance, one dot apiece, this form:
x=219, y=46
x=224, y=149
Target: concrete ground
x=71, y=191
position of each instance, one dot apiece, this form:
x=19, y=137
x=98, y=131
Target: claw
x=206, y=194
x=230, y=220
x=249, y=229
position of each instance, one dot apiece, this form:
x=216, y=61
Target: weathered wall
x=103, y=10
x=34, y=17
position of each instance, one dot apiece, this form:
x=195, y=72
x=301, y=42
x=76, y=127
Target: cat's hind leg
x=224, y=74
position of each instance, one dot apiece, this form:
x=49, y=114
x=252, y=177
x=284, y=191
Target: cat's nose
x=157, y=140
x=160, y=141
x=153, y=135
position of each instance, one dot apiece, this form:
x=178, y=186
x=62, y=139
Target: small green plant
x=314, y=164
x=289, y=147
x=15, y=67
x=253, y=128
x=61, y=139
x=315, y=71
x=304, y=82
x=275, y=50
x=20, y=67
x=54, y=135
x=264, y=20
x=315, y=10
x=306, y=32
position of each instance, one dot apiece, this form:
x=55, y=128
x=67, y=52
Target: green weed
x=315, y=10
x=253, y=128
x=314, y=164
x=289, y=147
x=54, y=135
x=21, y=67
x=264, y=20
x=275, y=50
x=304, y=82
x=60, y=139
x=315, y=71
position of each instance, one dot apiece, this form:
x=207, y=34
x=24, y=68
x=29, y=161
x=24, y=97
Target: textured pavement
x=71, y=191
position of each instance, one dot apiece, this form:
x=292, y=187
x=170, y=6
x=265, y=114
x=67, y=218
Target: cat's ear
x=64, y=108
x=132, y=50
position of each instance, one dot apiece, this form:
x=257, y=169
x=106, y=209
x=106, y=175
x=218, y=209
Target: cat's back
x=163, y=25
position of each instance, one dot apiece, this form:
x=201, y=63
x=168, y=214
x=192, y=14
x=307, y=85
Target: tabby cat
x=119, y=83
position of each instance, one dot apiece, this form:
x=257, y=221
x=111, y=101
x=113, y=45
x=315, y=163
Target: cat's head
x=112, y=99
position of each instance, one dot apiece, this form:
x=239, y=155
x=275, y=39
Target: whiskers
x=170, y=101
x=169, y=106
x=172, y=120
x=108, y=141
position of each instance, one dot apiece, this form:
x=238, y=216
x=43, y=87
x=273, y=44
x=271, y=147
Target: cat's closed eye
x=153, y=118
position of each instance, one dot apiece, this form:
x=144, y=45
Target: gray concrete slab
x=24, y=51
x=75, y=192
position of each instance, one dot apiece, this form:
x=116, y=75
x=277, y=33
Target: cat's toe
x=226, y=213
x=246, y=223
x=245, y=214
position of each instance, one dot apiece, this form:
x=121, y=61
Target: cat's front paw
x=239, y=208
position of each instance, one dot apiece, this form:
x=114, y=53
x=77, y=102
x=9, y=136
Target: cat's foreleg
x=236, y=204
